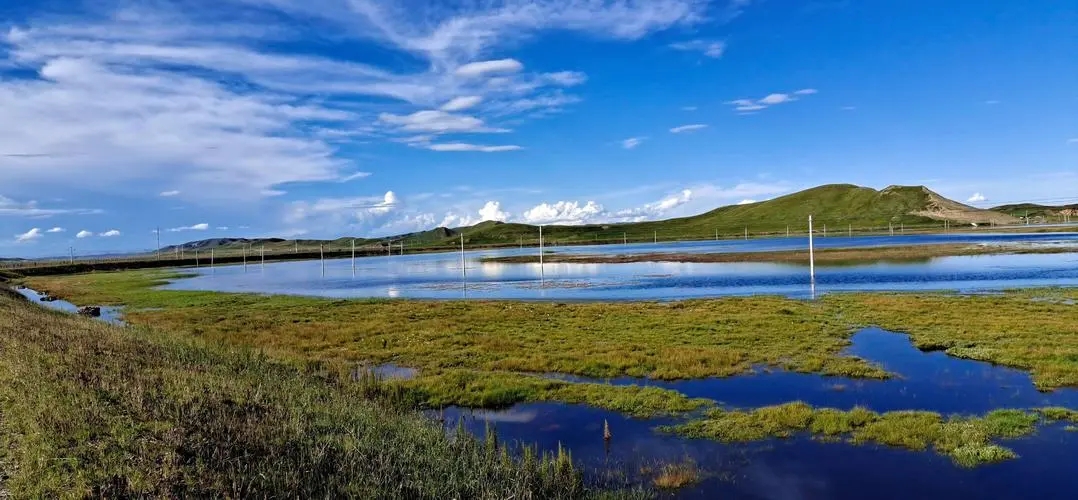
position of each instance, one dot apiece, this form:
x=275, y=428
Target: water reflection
x=108, y=314
x=440, y=276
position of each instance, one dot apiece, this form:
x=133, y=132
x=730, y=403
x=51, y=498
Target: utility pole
x=72, y=259
x=655, y=236
x=196, y=259
x=322, y=258
x=158, y=232
x=542, y=272
x=716, y=235
x=262, y=251
x=463, y=262
x=353, y=256
x=746, y=233
x=812, y=255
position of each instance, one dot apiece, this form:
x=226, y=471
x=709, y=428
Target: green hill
x=838, y=206
x=1033, y=210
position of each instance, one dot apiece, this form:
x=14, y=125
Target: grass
x=832, y=256
x=677, y=475
x=1059, y=414
x=967, y=440
x=88, y=409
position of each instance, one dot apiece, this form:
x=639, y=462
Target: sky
x=326, y=118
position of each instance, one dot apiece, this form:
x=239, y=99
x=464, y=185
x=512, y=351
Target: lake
x=441, y=276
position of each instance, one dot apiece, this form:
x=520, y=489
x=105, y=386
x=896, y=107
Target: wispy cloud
x=56, y=230
x=1072, y=141
x=110, y=233
x=481, y=68
x=32, y=209
x=29, y=236
x=461, y=146
x=196, y=227
x=84, y=234
x=688, y=128
x=774, y=99
x=710, y=48
x=462, y=103
x=354, y=176
x=170, y=193
x=632, y=142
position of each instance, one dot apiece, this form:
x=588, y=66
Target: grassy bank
x=969, y=441
x=88, y=409
x=832, y=256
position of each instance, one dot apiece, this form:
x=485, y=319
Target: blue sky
x=324, y=118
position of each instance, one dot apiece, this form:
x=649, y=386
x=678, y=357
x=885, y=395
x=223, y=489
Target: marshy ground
x=494, y=353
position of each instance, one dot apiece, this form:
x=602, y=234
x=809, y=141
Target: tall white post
x=746, y=234
x=244, y=257
x=262, y=253
x=196, y=258
x=655, y=235
x=402, y=247
x=716, y=235
x=322, y=258
x=353, y=256
x=72, y=259
x=463, y=262
x=812, y=255
x=825, y=230
x=624, y=239
x=297, y=245
x=211, y=258
x=542, y=273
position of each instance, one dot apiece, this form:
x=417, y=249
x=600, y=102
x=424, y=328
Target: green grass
x=1059, y=414
x=967, y=440
x=88, y=409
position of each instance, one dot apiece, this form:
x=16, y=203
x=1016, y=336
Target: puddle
x=390, y=371
x=108, y=314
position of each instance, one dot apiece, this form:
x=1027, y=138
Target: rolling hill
x=1033, y=210
x=838, y=205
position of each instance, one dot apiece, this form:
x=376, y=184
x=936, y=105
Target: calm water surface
x=442, y=276
x=801, y=468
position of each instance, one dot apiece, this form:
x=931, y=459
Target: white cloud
x=56, y=230
x=563, y=212
x=477, y=69
x=460, y=146
x=710, y=48
x=773, y=99
x=688, y=128
x=28, y=236
x=656, y=209
x=746, y=201
x=462, y=103
x=493, y=211
x=976, y=198
x=110, y=233
x=745, y=106
x=84, y=234
x=31, y=208
x=352, y=177
x=565, y=78
x=436, y=121
x=197, y=227
x=632, y=142
x=170, y=193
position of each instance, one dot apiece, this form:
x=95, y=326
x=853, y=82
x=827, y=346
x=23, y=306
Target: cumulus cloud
x=462, y=103
x=976, y=198
x=563, y=212
x=56, y=230
x=687, y=128
x=492, y=210
x=171, y=193
x=28, y=236
x=752, y=105
x=84, y=234
x=710, y=48
x=632, y=142
x=110, y=233
x=196, y=227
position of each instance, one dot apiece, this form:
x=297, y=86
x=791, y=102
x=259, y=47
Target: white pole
x=891, y=227
x=196, y=258
x=211, y=258
x=297, y=245
x=262, y=251
x=746, y=233
x=463, y=262
x=353, y=256
x=542, y=273
x=812, y=255
x=72, y=260
x=402, y=247
x=244, y=257
x=624, y=239
x=322, y=258
x=825, y=230
x=655, y=235
x=716, y=235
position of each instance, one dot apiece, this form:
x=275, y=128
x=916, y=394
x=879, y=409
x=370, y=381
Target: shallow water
x=440, y=276
x=801, y=467
x=108, y=314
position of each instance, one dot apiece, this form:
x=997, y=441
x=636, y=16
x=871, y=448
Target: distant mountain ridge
x=839, y=205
